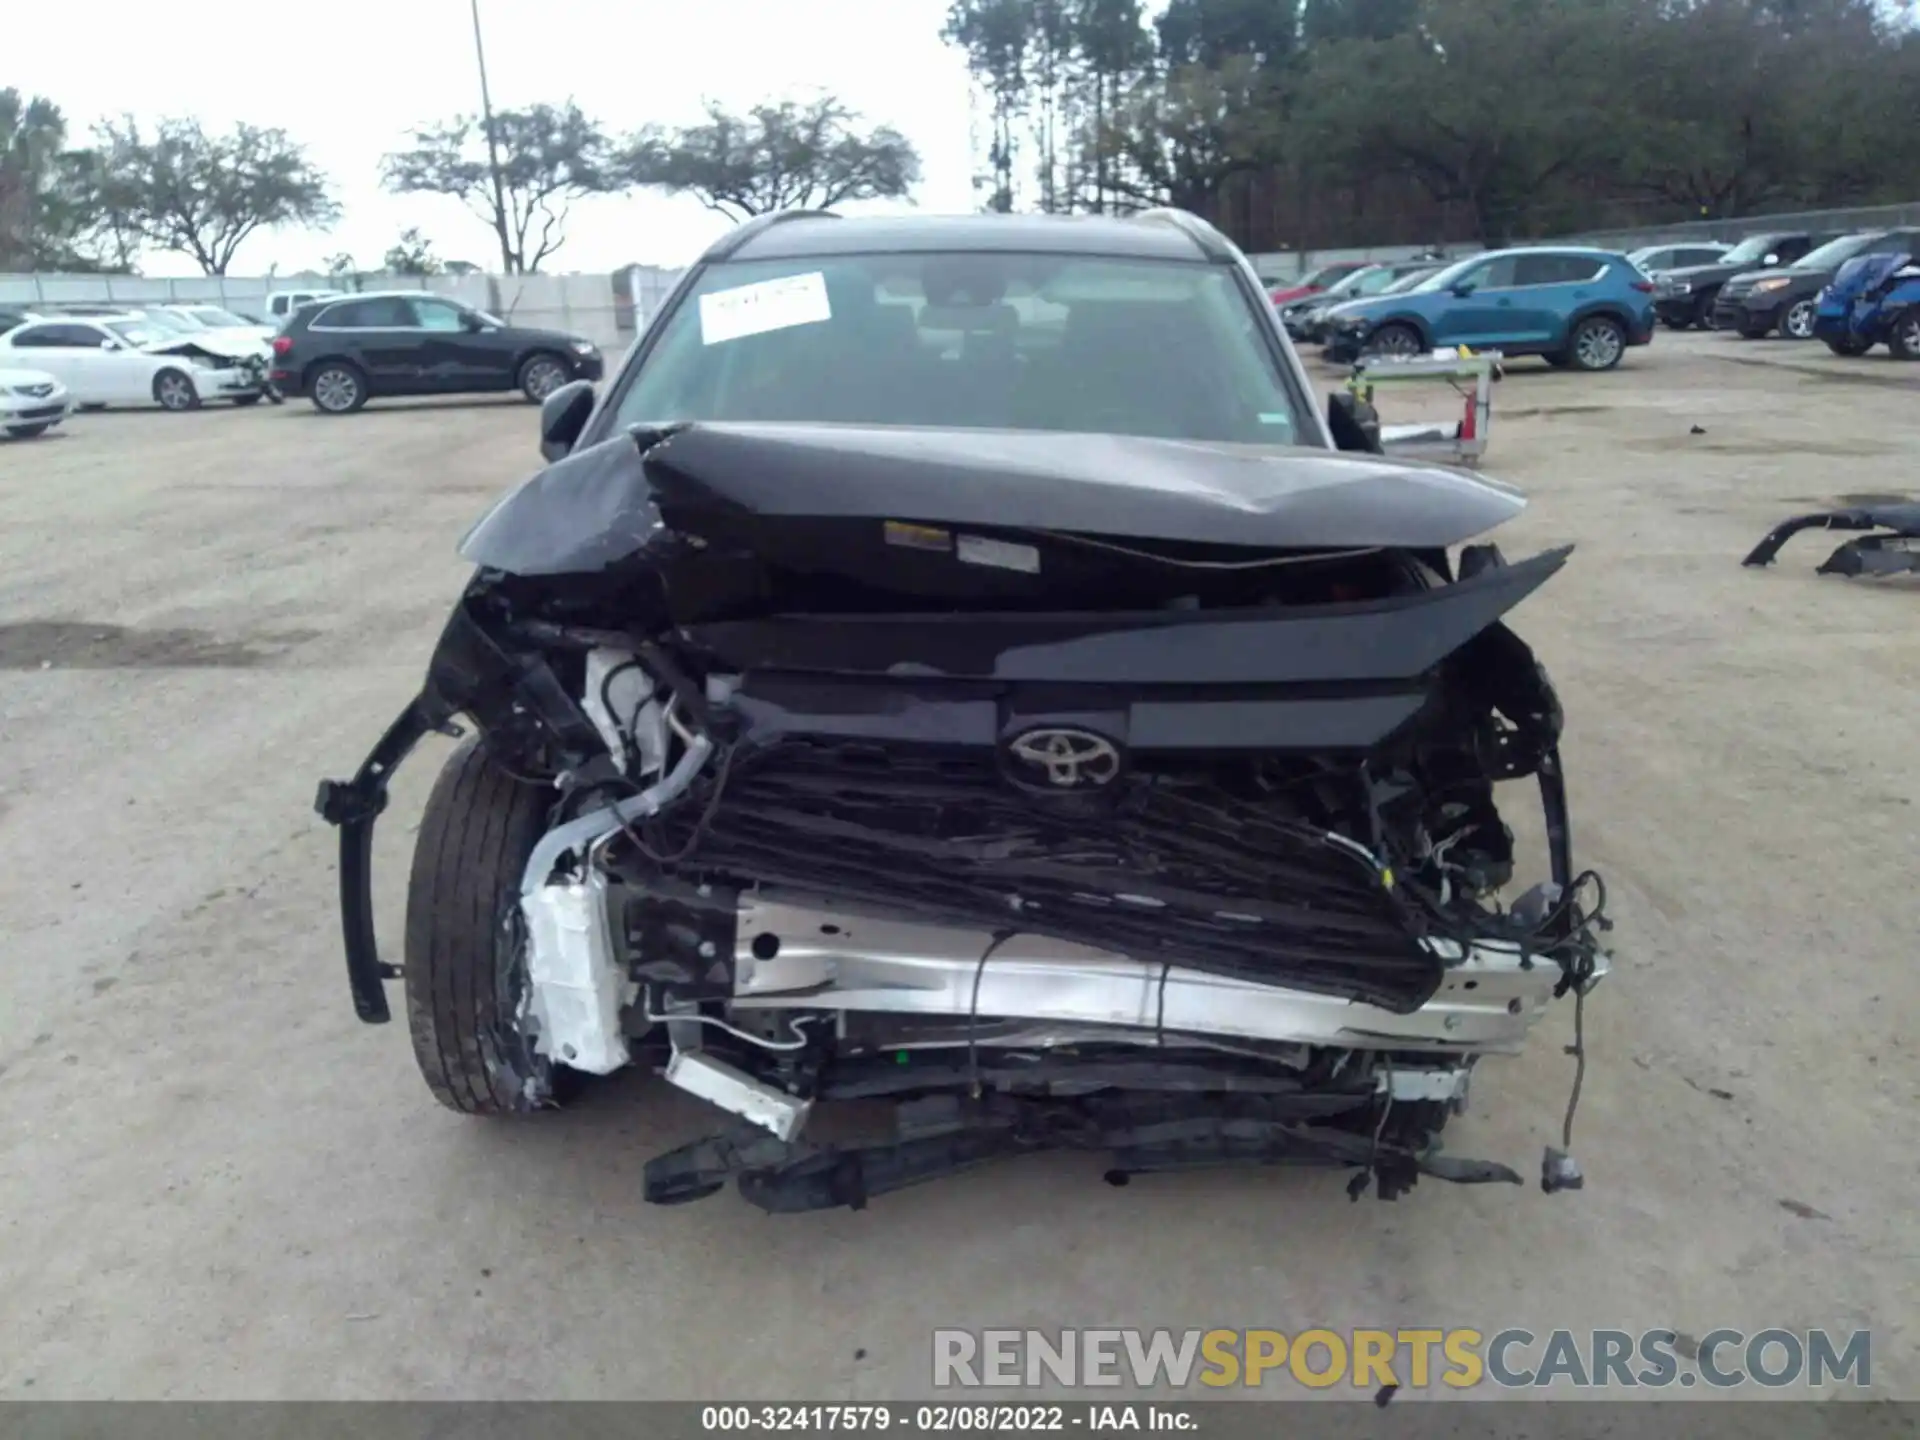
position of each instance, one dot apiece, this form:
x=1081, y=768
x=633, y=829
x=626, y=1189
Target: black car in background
x=342, y=352
x=1786, y=299
x=1686, y=296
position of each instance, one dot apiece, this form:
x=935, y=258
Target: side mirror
x=1770, y=259
x=109, y=344
x=1354, y=424
x=1463, y=288
x=471, y=322
x=563, y=415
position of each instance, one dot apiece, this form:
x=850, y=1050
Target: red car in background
x=1317, y=281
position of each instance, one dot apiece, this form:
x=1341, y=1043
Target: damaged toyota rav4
x=956, y=667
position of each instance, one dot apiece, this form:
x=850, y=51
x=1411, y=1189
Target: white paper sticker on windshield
x=770, y=305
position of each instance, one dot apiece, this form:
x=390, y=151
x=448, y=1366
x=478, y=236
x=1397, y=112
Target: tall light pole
x=493, y=145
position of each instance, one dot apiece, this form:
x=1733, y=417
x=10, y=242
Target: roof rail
x=1216, y=245
x=730, y=242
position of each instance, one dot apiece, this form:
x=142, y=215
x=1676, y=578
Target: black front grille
x=1161, y=867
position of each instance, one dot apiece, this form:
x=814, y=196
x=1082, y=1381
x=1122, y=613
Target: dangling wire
x=1000, y=938
x=1160, y=1008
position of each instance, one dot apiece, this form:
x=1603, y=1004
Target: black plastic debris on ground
x=1894, y=550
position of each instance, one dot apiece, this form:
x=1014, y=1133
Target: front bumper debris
x=353, y=806
x=945, y=1134
x=1896, y=551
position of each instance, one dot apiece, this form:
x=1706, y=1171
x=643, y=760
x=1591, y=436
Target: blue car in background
x=1579, y=308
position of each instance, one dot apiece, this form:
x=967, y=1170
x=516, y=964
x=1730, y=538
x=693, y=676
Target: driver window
x=1495, y=274
x=438, y=315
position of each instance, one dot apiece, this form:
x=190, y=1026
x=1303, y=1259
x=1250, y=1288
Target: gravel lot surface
x=215, y=1183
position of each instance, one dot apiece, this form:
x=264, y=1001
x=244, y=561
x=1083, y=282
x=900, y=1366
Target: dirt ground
x=215, y=1183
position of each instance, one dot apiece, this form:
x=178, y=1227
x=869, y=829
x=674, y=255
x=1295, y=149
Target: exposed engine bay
x=1020, y=791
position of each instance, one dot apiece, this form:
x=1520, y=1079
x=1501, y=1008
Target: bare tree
x=550, y=155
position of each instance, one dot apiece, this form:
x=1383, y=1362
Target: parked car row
x=1577, y=307
x=89, y=357
x=338, y=350
x=1771, y=283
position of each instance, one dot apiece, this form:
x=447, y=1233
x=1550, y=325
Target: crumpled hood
x=211, y=343
x=606, y=503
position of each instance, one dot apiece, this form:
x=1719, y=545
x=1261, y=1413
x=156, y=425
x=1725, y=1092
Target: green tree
x=997, y=36
x=1209, y=33
x=412, y=254
x=1181, y=137
x=550, y=156
x=47, y=218
x=1115, y=50
x=202, y=194
x=1490, y=105
x=775, y=157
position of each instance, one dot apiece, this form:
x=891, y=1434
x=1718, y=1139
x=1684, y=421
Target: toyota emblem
x=1066, y=759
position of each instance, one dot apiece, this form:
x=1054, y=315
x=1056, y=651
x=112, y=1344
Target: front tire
x=1798, y=322
x=541, y=375
x=28, y=432
x=244, y=400
x=173, y=390
x=1850, y=345
x=1396, y=341
x=337, y=388
x=1596, y=344
x=1904, y=341
x=465, y=970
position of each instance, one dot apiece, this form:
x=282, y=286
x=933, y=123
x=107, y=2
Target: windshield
x=1408, y=281
x=1447, y=274
x=1356, y=282
x=1162, y=348
x=167, y=324
x=214, y=316
x=1834, y=252
x=1754, y=247
x=137, y=332
x=1327, y=275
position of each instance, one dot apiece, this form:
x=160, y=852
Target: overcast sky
x=349, y=78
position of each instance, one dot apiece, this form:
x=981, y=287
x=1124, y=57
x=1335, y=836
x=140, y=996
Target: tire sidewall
x=1904, y=339
x=465, y=970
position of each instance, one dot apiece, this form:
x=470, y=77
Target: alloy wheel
x=335, y=391
x=174, y=392
x=1396, y=341
x=543, y=378
x=1799, y=321
x=1598, y=345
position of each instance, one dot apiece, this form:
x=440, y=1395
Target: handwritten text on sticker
x=770, y=305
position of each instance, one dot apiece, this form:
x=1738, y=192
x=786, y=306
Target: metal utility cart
x=1462, y=441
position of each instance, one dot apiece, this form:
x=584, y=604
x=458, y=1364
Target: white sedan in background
x=131, y=361
x=31, y=402
x=212, y=320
